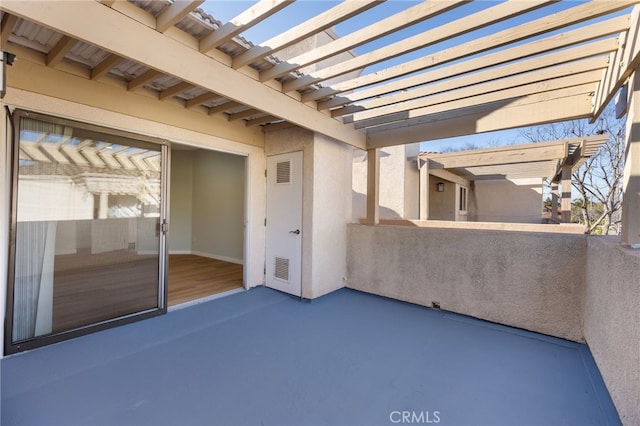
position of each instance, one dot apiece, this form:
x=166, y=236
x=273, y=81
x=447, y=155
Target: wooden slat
x=375, y=31
x=321, y=22
x=525, y=66
x=143, y=79
x=174, y=90
x=58, y=52
x=530, y=29
x=447, y=175
x=199, y=100
x=7, y=24
x=105, y=66
x=108, y=2
x=250, y=17
x=462, y=119
x=175, y=13
x=478, y=95
x=446, y=31
x=571, y=74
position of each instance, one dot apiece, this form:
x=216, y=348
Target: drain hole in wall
x=435, y=305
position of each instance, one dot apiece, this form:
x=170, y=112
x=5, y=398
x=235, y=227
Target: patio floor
x=349, y=358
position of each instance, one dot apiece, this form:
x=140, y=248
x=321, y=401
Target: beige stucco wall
x=612, y=321
x=511, y=201
x=528, y=280
x=326, y=208
x=399, y=183
x=442, y=205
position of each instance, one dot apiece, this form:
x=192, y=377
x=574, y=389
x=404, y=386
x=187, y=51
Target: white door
x=284, y=223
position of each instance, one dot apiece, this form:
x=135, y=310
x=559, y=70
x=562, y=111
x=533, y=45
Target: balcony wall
x=612, y=321
x=521, y=278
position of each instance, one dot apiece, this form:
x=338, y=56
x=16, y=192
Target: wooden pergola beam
x=244, y=114
x=223, y=107
x=447, y=175
x=250, y=17
x=551, y=66
x=446, y=31
x=568, y=104
x=319, y=23
x=590, y=32
x=175, y=13
x=372, y=32
x=623, y=64
x=201, y=99
x=476, y=95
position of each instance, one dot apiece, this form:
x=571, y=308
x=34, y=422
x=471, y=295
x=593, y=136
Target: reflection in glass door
x=87, y=230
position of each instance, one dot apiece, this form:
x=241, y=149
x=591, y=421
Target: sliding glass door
x=88, y=230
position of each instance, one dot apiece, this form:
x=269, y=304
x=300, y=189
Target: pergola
x=555, y=160
x=536, y=64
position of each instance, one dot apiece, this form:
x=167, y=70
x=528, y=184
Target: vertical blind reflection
x=87, y=235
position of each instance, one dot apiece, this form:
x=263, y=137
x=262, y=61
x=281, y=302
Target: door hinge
x=265, y=172
x=165, y=226
x=265, y=222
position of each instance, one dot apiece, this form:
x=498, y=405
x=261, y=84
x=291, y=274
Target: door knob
x=297, y=232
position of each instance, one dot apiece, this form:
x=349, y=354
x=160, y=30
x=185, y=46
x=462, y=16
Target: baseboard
x=217, y=257
x=179, y=252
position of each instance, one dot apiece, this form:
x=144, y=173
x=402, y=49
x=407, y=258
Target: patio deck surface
x=349, y=358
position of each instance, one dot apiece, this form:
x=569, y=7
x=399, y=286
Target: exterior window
x=87, y=246
x=463, y=199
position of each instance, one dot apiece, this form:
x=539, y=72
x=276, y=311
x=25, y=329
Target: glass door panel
x=87, y=245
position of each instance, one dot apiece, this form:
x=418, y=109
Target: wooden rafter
x=143, y=79
x=446, y=31
x=175, y=13
x=223, y=107
x=244, y=114
x=105, y=66
x=174, y=90
x=544, y=45
x=199, y=100
x=372, y=32
x=321, y=22
x=250, y=17
x=6, y=26
x=62, y=47
x=261, y=120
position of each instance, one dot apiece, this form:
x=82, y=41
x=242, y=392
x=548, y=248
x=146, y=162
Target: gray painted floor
x=261, y=357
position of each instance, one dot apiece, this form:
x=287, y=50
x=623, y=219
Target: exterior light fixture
x=440, y=186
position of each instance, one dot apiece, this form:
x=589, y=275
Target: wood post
x=373, y=186
x=631, y=185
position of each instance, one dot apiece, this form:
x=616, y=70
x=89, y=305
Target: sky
x=302, y=10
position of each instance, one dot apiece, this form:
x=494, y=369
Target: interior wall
x=510, y=201
x=181, y=201
x=218, y=205
x=612, y=321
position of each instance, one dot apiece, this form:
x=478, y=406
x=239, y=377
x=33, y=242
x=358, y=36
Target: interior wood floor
x=193, y=277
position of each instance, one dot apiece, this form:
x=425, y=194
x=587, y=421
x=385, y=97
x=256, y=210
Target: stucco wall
x=326, y=206
x=612, y=321
x=527, y=280
x=511, y=201
x=442, y=205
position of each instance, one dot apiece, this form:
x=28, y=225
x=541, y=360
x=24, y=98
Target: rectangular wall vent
x=283, y=172
x=282, y=269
